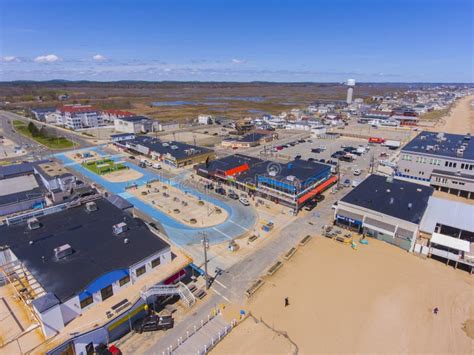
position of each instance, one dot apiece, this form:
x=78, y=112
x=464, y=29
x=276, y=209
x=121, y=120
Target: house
x=41, y=113
x=205, y=119
x=386, y=209
x=111, y=115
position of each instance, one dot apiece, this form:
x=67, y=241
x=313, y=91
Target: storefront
x=349, y=220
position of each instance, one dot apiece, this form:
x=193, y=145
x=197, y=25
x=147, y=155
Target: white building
x=76, y=117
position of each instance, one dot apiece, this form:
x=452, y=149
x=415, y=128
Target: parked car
x=357, y=172
x=131, y=157
x=157, y=166
x=244, y=201
x=220, y=191
x=152, y=323
x=347, y=183
x=311, y=205
x=319, y=198
x=209, y=186
x=233, y=195
x=142, y=165
x=297, y=157
x=312, y=159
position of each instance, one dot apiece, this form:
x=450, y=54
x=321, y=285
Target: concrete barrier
x=289, y=253
x=255, y=286
x=274, y=268
x=305, y=240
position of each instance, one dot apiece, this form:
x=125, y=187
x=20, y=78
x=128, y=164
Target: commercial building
x=68, y=262
x=41, y=113
x=292, y=184
x=135, y=124
x=444, y=161
x=385, y=208
x=252, y=139
x=76, y=117
x=447, y=232
x=175, y=154
x=28, y=186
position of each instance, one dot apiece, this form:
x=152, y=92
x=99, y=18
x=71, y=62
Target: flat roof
x=441, y=144
x=400, y=199
x=96, y=249
x=16, y=169
x=450, y=242
x=302, y=170
x=21, y=188
x=178, y=150
x=51, y=169
x=229, y=162
x=134, y=118
x=448, y=213
x=17, y=184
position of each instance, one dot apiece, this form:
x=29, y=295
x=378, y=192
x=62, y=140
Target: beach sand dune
x=460, y=119
x=376, y=299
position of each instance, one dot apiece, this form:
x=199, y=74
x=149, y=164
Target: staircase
x=179, y=289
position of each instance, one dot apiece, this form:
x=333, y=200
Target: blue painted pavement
x=240, y=218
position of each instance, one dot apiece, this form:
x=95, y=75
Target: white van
x=157, y=166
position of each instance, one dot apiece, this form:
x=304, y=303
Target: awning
x=450, y=242
x=318, y=189
x=379, y=226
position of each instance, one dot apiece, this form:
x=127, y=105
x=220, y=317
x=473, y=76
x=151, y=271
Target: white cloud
x=238, y=61
x=99, y=58
x=49, y=58
x=9, y=59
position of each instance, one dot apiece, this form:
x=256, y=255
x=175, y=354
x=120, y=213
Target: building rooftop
x=134, y=118
x=178, y=150
x=302, y=170
x=442, y=144
x=51, y=169
x=15, y=170
x=21, y=188
x=96, y=249
x=396, y=198
x=448, y=213
x=77, y=109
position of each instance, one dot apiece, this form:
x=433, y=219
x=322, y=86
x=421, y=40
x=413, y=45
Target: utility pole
x=205, y=244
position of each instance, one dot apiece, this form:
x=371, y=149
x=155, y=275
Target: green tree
x=33, y=129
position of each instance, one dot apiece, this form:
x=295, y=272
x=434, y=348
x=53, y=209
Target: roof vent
x=119, y=228
x=392, y=200
x=418, y=189
x=125, y=241
x=389, y=179
x=91, y=206
x=62, y=251
x=174, y=147
x=410, y=205
x=290, y=178
x=165, y=144
x=33, y=223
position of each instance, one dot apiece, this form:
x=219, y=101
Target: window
x=86, y=301
x=124, y=280
x=155, y=262
x=106, y=292
x=141, y=270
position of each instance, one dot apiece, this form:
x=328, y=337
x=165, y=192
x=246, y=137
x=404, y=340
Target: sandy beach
x=376, y=299
x=460, y=118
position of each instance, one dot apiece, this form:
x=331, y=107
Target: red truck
x=376, y=140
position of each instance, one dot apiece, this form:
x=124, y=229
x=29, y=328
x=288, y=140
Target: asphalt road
x=35, y=149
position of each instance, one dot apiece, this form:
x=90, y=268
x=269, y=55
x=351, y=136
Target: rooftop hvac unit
x=460, y=152
x=32, y=223
x=91, y=206
x=165, y=144
x=290, y=178
x=119, y=228
x=174, y=147
x=62, y=251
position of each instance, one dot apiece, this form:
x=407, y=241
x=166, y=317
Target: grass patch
x=50, y=142
x=104, y=166
x=435, y=115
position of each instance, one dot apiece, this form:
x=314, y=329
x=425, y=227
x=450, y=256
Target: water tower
x=350, y=83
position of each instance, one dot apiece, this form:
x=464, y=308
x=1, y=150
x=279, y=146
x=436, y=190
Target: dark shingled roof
x=425, y=143
x=378, y=194
x=96, y=250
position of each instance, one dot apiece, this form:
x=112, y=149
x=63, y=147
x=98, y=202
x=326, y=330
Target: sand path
x=460, y=118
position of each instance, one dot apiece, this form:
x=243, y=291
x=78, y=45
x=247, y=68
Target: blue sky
x=229, y=40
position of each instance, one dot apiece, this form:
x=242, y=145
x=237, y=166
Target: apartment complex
x=76, y=117
x=444, y=161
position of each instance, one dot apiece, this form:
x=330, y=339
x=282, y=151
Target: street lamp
x=205, y=245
